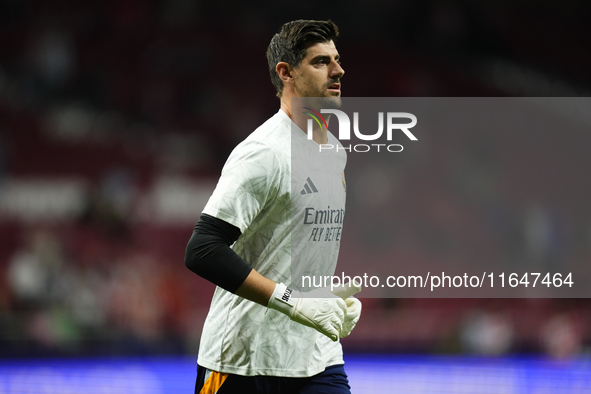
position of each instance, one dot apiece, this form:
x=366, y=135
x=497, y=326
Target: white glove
x=319, y=309
x=352, y=317
x=353, y=307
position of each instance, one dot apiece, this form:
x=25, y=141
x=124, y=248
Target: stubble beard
x=318, y=100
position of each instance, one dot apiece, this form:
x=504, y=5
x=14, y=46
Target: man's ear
x=284, y=71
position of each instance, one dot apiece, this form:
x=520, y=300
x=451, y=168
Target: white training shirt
x=288, y=200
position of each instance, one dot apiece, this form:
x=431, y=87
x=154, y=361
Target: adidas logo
x=309, y=187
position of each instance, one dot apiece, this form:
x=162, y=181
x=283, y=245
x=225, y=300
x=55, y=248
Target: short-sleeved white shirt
x=288, y=200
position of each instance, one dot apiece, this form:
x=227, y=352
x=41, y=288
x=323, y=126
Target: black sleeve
x=208, y=253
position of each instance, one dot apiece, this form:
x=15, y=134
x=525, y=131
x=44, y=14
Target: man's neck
x=319, y=135
x=286, y=106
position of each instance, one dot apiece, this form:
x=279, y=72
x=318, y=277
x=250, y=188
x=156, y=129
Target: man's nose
x=337, y=70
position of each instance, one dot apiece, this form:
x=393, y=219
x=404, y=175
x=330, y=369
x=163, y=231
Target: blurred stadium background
x=115, y=120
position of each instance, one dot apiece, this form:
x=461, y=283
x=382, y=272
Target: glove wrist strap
x=281, y=299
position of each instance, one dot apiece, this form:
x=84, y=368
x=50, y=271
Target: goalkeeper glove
x=319, y=309
x=353, y=307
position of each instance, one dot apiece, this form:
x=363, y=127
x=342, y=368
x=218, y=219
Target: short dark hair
x=291, y=44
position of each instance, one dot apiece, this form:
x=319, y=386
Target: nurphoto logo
x=345, y=129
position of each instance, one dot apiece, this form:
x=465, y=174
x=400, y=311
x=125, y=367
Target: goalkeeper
x=262, y=334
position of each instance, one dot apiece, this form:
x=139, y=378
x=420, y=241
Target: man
x=261, y=336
